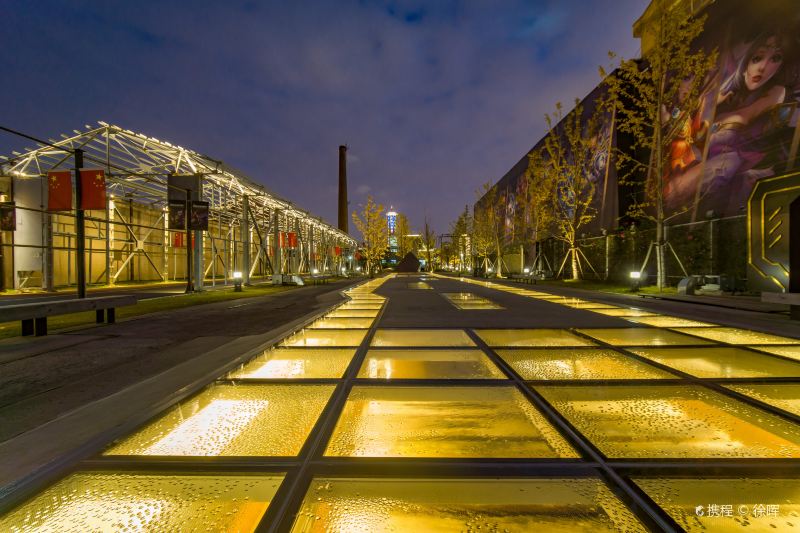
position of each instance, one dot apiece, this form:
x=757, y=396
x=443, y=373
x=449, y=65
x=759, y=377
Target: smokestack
x=343, y=225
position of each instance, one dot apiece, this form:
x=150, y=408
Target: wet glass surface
x=585, y=363
x=642, y=337
x=352, y=313
x=341, y=323
x=233, y=420
x=739, y=336
x=669, y=322
x=429, y=364
x=784, y=396
x=468, y=300
x=443, y=422
x=438, y=505
x=696, y=504
x=531, y=337
x=391, y=338
x=716, y=362
x=672, y=421
x=95, y=501
x=296, y=363
x=624, y=312
x=792, y=352
x=326, y=337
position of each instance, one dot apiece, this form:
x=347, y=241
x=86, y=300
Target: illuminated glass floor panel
x=468, y=300
x=443, y=422
x=297, y=363
x=669, y=322
x=784, y=396
x=586, y=363
x=341, y=323
x=739, y=336
x=326, y=337
x=624, y=312
x=352, y=313
x=531, y=337
x=233, y=420
x=672, y=421
x=438, y=505
x=792, y=352
x=419, y=285
x=362, y=305
x=392, y=338
x=592, y=306
x=719, y=362
x=95, y=501
x=642, y=337
x=746, y=499
x=429, y=364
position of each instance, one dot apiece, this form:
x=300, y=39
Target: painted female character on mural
x=737, y=154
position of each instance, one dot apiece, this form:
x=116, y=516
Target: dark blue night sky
x=433, y=98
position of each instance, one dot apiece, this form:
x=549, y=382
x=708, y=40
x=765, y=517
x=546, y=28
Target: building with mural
x=743, y=131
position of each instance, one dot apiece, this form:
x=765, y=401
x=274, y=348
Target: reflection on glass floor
x=364, y=504
x=784, y=396
x=391, y=421
x=583, y=363
x=667, y=421
x=531, y=337
x=712, y=362
x=469, y=301
x=642, y=337
x=297, y=363
x=95, y=501
x=233, y=420
x=392, y=338
x=428, y=364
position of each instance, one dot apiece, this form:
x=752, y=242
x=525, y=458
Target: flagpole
x=80, y=223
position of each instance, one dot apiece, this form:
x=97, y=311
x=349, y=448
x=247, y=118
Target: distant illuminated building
x=391, y=222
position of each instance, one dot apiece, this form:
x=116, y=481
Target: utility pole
x=80, y=232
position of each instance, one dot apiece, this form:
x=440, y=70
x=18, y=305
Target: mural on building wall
x=743, y=128
x=511, y=189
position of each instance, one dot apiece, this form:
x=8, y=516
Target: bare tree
x=374, y=231
x=429, y=240
x=535, y=203
x=654, y=99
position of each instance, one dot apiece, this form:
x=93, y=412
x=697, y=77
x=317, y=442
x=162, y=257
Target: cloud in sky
x=435, y=98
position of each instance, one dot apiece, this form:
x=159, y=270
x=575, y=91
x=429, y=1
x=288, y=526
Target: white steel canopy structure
x=246, y=220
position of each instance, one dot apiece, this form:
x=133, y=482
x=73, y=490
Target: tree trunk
x=660, y=262
x=573, y=251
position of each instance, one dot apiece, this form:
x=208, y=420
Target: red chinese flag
x=93, y=183
x=292, y=239
x=59, y=190
x=337, y=250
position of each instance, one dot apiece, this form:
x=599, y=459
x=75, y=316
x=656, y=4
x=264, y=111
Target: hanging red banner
x=59, y=190
x=337, y=250
x=282, y=239
x=93, y=189
x=292, y=239
x=179, y=240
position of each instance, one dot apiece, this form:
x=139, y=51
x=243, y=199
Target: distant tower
x=343, y=225
x=391, y=222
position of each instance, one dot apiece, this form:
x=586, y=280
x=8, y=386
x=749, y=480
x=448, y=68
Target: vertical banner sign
x=8, y=216
x=93, y=182
x=177, y=214
x=198, y=218
x=337, y=250
x=292, y=239
x=59, y=190
x=283, y=239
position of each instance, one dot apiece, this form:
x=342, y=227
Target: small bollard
x=237, y=282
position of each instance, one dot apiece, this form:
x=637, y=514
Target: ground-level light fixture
x=358, y=269
x=636, y=276
x=526, y=270
x=237, y=281
x=314, y=271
